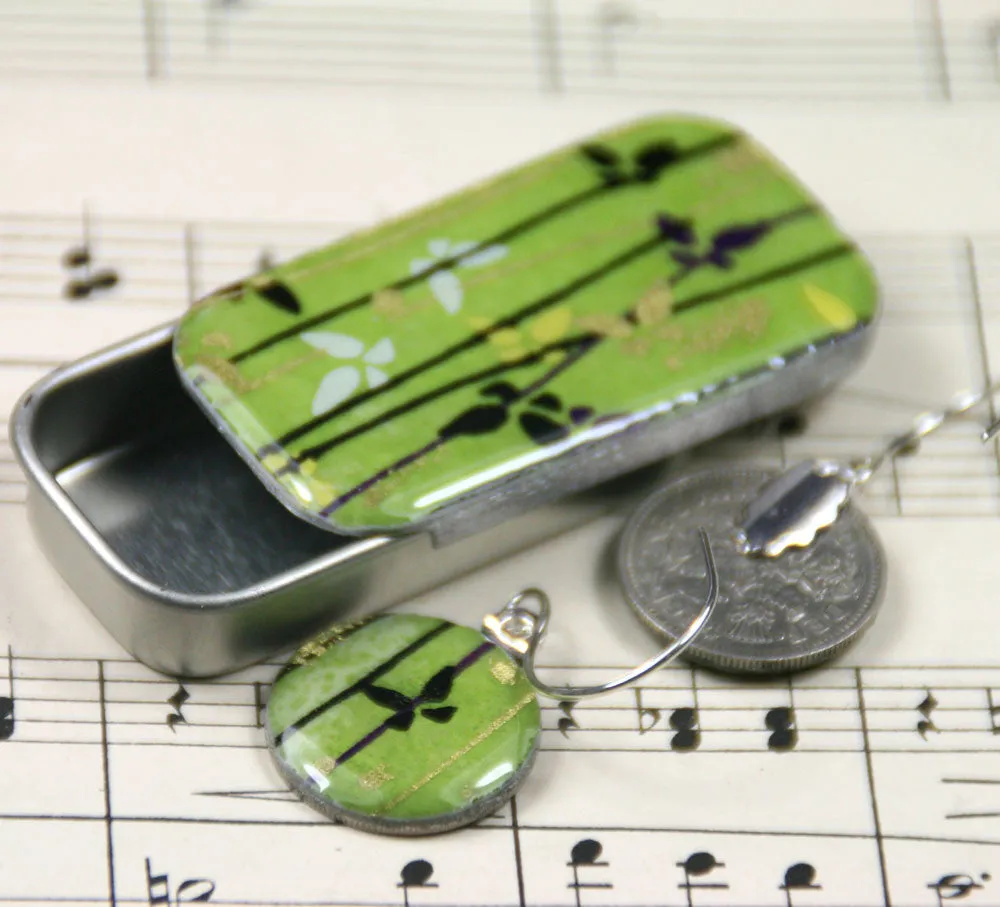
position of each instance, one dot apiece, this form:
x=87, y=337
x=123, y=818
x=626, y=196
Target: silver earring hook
x=519, y=631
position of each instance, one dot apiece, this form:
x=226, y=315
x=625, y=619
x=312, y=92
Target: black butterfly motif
x=405, y=709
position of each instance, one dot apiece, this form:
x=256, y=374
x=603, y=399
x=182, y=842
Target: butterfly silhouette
x=405, y=709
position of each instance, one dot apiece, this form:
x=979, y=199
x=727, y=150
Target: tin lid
x=533, y=335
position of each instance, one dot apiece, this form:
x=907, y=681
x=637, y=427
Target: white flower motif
x=446, y=284
x=339, y=384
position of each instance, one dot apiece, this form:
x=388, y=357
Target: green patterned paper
x=407, y=720
x=377, y=380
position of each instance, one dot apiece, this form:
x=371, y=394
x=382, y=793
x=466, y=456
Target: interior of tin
x=161, y=485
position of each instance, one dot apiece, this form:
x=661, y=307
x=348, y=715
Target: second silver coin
x=774, y=615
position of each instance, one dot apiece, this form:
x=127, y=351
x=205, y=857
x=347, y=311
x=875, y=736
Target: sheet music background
x=182, y=141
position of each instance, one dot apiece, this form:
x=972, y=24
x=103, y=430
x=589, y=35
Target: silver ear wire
x=518, y=631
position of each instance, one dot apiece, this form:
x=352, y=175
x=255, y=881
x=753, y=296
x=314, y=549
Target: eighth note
x=176, y=701
x=415, y=874
x=569, y=722
x=925, y=708
x=7, y=702
x=84, y=280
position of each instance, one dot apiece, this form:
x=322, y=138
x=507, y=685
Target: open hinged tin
x=366, y=421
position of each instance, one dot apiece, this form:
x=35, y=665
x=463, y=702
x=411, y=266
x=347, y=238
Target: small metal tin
x=160, y=470
x=196, y=570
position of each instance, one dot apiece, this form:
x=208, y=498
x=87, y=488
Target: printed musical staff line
x=531, y=47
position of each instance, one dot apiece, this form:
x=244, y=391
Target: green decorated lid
x=574, y=318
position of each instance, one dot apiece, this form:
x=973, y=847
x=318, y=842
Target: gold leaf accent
x=219, y=339
x=673, y=363
x=374, y=779
x=655, y=305
x=319, y=644
x=390, y=303
x=483, y=735
x=504, y=672
x=606, y=325
x=637, y=346
x=325, y=765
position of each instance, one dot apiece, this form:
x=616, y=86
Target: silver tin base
x=197, y=571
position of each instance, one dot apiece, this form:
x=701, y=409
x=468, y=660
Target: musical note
x=258, y=704
x=781, y=722
x=994, y=711
x=265, y=261
x=176, y=701
x=84, y=279
x=7, y=702
x=585, y=853
x=699, y=864
x=189, y=891
x=685, y=723
x=791, y=425
x=798, y=877
x=612, y=16
x=568, y=722
x=926, y=724
x=415, y=874
x=956, y=886
x=648, y=718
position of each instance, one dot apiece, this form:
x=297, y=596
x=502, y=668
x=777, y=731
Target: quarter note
x=798, y=877
x=415, y=874
x=585, y=853
x=926, y=723
x=7, y=702
x=84, y=278
x=648, y=718
x=697, y=865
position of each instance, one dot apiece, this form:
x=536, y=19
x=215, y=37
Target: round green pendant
x=403, y=725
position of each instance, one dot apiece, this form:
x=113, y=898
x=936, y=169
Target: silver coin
x=773, y=615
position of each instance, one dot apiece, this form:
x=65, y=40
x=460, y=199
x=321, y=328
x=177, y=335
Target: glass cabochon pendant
x=409, y=725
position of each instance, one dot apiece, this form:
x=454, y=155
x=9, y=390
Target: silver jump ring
x=519, y=631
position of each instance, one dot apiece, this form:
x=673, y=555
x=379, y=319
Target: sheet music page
x=183, y=143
